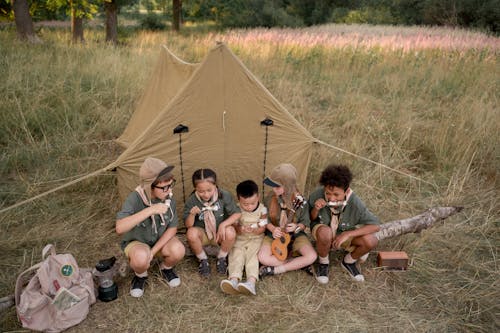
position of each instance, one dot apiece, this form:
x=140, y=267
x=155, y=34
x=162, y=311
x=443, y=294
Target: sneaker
x=247, y=288
x=229, y=287
x=204, y=268
x=308, y=270
x=222, y=265
x=172, y=278
x=138, y=284
x=266, y=271
x=353, y=271
x=322, y=273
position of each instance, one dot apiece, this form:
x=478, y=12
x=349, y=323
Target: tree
x=111, y=8
x=176, y=14
x=24, y=23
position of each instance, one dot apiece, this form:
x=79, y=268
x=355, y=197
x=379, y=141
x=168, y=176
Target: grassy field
x=420, y=100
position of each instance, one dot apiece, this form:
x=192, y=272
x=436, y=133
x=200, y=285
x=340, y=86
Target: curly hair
x=336, y=175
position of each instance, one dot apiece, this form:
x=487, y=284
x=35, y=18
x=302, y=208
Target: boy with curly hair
x=339, y=219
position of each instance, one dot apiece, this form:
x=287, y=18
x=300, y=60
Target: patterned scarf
x=337, y=210
x=207, y=214
x=147, y=202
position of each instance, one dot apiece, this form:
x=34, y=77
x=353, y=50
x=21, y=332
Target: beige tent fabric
x=223, y=105
x=169, y=76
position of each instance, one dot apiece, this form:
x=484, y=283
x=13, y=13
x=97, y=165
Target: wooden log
x=6, y=302
x=417, y=223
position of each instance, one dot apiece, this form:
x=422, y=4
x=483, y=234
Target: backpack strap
x=20, y=281
x=46, y=249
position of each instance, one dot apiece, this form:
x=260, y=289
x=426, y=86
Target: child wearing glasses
x=209, y=215
x=148, y=222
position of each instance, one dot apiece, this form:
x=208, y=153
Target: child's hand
x=277, y=233
x=290, y=227
x=159, y=208
x=195, y=210
x=337, y=242
x=320, y=203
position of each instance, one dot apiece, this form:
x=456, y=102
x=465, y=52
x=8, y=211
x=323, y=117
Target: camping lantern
x=104, y=271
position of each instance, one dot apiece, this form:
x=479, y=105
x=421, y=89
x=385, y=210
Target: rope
x=92, y=174
x=374, y=162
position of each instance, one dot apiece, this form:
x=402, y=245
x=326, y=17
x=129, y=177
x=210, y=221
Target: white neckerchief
x=337, y=210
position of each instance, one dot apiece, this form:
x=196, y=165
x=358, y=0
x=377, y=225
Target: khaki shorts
x=297, y=244
x=345, y=245
x=130, y=245
x=205, y=241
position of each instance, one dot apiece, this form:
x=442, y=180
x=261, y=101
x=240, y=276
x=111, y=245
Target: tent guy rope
x=373, y=162
x=98, y=172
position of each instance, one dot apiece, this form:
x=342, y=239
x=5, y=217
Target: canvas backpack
x=58, y=294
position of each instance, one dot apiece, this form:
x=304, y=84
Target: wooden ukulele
x=279, y=246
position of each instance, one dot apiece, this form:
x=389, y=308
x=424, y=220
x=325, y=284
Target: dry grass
x=429, y=111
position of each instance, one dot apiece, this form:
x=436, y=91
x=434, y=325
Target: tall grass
x=426, y=109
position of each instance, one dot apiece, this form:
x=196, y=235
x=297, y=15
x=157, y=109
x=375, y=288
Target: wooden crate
x=394, y=260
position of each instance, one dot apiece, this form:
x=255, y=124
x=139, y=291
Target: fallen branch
x=417, y=223
x=6, y=302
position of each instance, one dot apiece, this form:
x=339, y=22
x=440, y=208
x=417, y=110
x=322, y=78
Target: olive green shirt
x=301, y=216
x=355, y=212
x=144, y=232
x=226, y=206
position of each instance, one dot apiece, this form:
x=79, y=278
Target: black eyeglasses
x=166, y=187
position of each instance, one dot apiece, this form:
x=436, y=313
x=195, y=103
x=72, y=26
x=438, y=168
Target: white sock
x=202, y=256
x=279, y=269
x=348, y=259
x=364, y=257
x=324, y=260
x=163, y=266
x=222, y=254
x=144, y=274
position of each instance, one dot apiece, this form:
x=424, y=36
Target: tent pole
x=266, y=122
x=179, y=130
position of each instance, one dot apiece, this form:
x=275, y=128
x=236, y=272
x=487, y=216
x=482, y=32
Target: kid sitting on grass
x=209, y=215
x=250, y=234
x=280, y=202
x=339, y=219
x=148, y=220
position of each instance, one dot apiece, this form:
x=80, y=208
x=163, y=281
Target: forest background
x=423, y=100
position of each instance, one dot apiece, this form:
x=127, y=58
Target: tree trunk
x=417, y=223
x=111, y=21
x=76, y=27
x=24, y=23
x=176, y=19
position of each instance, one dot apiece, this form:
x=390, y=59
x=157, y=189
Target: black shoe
x=308, y=270
x=353, y=271
x=172, y=278
x=222, y=265
x=266, y=271
x=137, y=287
x=204, y=268
x=322, y=273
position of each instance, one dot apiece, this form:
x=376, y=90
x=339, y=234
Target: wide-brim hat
x=284, y=175
x=151, y=169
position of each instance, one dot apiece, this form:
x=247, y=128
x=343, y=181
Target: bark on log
x=6, y=302
x=417, y=223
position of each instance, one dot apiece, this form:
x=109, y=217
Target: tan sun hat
x=151, y=169
x=284, y=175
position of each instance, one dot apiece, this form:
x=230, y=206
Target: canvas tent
x=222, y=104
x=169, y=76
